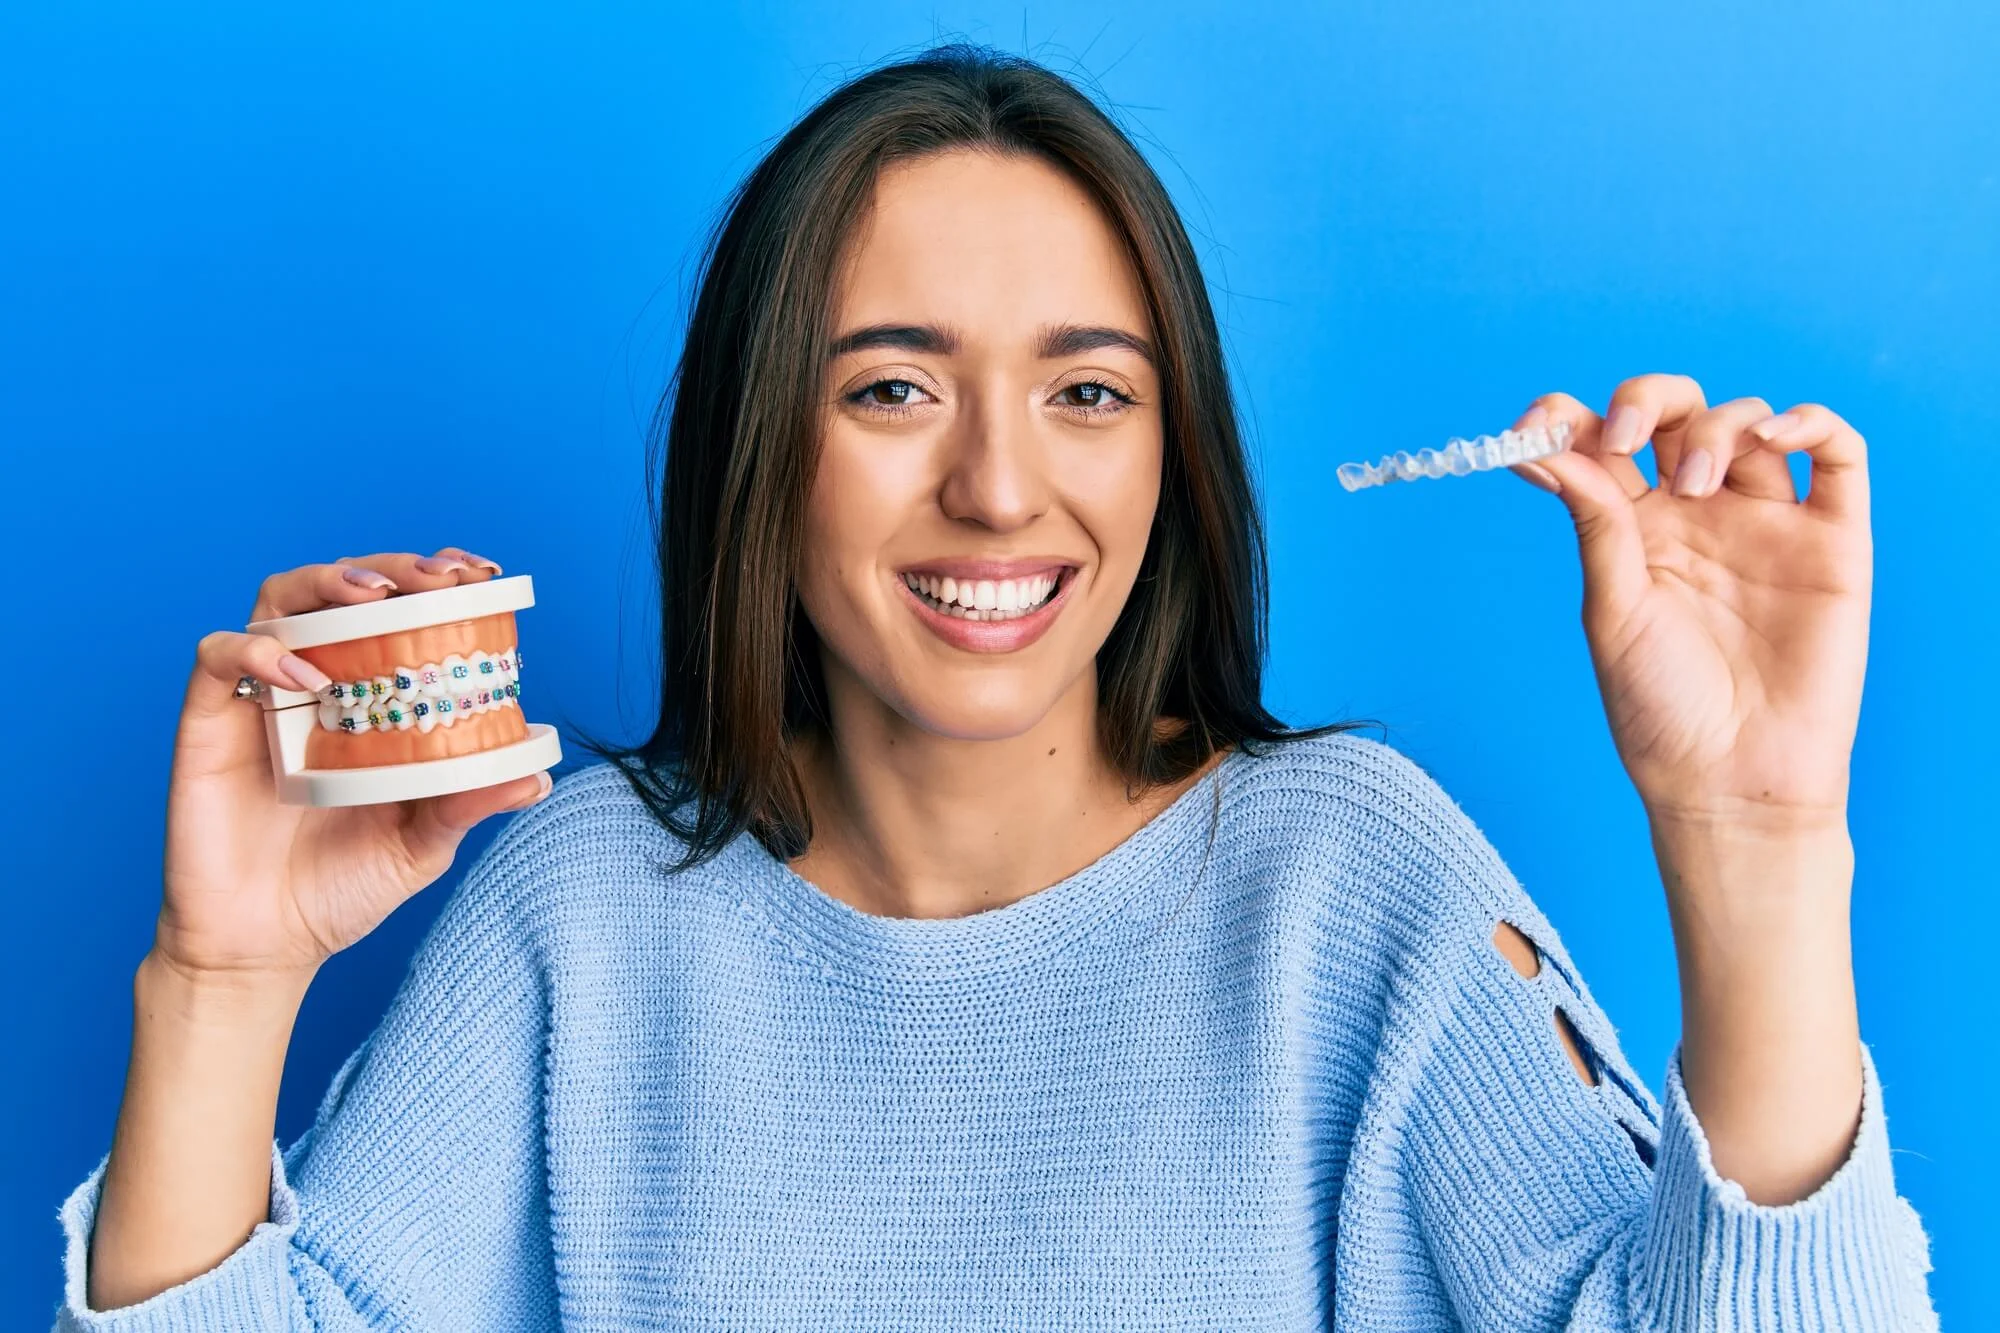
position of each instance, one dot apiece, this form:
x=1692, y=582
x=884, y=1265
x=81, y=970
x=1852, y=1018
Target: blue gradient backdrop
x=257, y=262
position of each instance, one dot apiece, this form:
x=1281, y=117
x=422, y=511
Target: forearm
x=1770, y=1050
x=190, y=1168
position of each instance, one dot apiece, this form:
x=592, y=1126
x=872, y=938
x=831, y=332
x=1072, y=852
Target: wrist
x=164, y=986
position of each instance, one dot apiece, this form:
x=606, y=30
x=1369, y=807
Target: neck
x=913, y=824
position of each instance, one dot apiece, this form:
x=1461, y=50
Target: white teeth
x=983, y=599
x=425, y=697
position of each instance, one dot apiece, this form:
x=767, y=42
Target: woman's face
x=991, y=432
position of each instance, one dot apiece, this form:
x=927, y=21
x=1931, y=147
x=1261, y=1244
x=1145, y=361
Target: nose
x=995, y=473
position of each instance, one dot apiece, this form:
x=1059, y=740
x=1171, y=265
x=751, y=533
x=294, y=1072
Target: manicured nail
x=367, y=578
x=440, y=564
x=1771, y=427
x=482, y=561
x=543, y=784
x=1532, y=418
x=304, y=674
x=1621, y=430
x=1540, y=476
x=1691, y=478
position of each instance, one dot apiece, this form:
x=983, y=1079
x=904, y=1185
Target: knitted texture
x=1259, y=1066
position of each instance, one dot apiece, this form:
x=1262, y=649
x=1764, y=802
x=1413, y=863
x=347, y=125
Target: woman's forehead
x=989, y=244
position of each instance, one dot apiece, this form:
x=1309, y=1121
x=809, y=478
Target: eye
x=1092, y=397
x=886, y=395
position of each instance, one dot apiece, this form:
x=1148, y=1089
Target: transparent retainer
x=1459, y=457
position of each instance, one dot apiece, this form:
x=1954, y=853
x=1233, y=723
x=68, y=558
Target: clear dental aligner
x=1459, y=457
x=433, y=695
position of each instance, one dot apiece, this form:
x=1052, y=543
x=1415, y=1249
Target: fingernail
x=1532, y=418
x=543, y=784
x=1691, y=477
x=1771, y=427
x=367, y=578
x=1540, y=476
x=439, y=564
x=304, y=674
x=482, y=561
x=1621, y=430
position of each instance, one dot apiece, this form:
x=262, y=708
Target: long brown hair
x=739, y=423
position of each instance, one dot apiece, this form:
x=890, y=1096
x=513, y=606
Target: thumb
x=437, y=824
x=1607, y=533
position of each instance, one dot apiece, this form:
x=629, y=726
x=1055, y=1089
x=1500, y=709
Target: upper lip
x=969, y=567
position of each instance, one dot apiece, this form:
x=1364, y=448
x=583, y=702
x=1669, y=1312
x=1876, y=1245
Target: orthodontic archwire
x=1459, y=457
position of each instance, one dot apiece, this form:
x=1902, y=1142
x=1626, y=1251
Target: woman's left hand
x=1727, y=619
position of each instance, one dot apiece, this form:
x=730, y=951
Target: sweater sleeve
x=417, y=1199
x=1543, y=1201
x=1549, y=1203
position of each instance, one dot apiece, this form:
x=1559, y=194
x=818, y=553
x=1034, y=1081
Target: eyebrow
x=1057, y=340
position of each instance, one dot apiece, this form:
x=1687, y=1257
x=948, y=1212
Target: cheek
x=1115, y=494
x=855, y=505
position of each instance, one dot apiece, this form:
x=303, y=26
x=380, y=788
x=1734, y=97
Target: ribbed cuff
x=251, y=1289
x=1849, y=1256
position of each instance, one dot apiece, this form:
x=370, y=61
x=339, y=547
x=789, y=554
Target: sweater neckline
x=845, y=939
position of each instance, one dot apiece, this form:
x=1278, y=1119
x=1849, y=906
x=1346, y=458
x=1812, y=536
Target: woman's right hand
x=256, y=889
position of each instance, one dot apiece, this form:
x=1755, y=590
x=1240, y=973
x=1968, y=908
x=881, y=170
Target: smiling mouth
x=987, y=599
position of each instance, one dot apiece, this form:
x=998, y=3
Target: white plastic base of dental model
x=290, y=716
x=424, y=777
x=1459, y=457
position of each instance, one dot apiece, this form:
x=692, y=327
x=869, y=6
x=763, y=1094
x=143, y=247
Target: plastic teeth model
x=1459, y=457
x=424, y=698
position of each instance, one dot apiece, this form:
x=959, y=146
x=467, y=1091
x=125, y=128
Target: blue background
x=256, y=262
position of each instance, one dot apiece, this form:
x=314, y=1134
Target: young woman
x=968, y=947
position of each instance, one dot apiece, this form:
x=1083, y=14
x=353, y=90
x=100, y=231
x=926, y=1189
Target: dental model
x=1459, y=457
x=425, y=698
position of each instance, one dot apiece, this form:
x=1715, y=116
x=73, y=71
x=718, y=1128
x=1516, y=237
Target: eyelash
x=860, y=398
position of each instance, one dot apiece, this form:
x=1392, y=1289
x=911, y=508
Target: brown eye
x=1088, y=394
x=890, y=393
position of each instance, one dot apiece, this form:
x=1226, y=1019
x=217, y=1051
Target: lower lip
x=990, y=636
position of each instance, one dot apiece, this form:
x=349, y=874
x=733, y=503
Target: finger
x=1718, y=449
x=424, y=573
x=311, y=588
x=1607, y=533
x=1837, y=484
x=1587, y=437
x=315, y=587
x=433, y=827
x=224, y=657
x=1655, y=407
x=491, y=568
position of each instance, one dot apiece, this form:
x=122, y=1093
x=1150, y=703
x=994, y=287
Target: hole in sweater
x=1523, y=955
x=1517, y=949
x=1573, y=1046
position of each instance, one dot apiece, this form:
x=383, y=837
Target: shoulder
x=1373, y=832
x=591, y=843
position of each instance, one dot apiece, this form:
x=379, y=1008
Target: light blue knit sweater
x=1277, y=1080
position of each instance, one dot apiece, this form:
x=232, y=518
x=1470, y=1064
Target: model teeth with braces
x=433, y=695
x=1459, y=457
